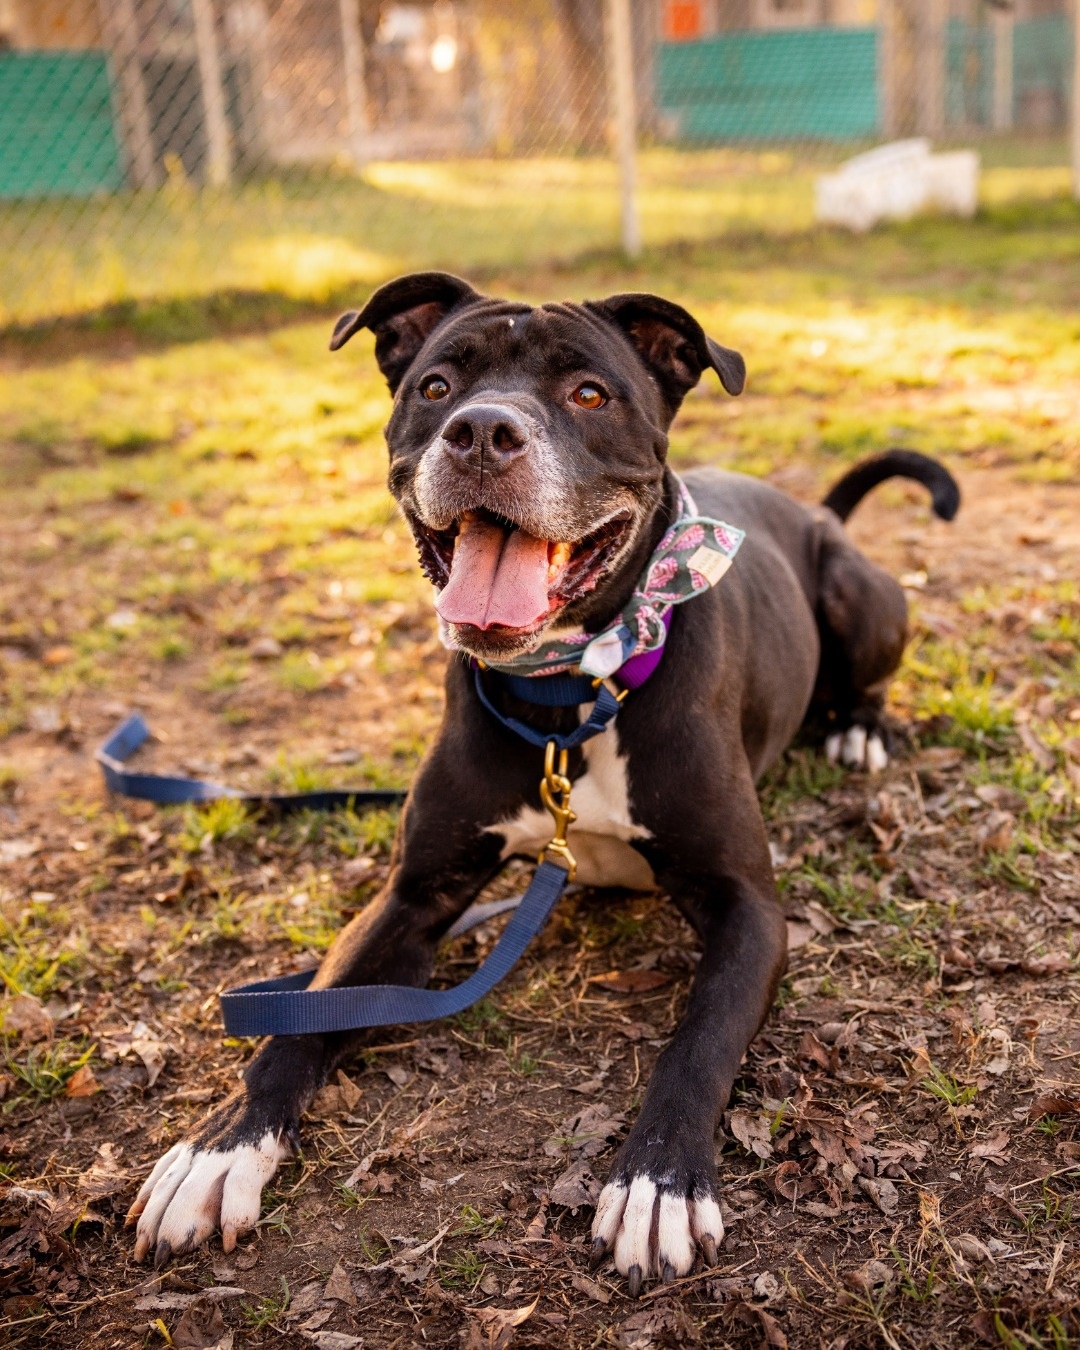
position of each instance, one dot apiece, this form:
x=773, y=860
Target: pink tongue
x=496, y=578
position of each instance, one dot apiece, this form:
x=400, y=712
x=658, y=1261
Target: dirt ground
x=901, y=1153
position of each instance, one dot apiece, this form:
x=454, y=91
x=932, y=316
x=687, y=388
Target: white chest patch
x=600, y=838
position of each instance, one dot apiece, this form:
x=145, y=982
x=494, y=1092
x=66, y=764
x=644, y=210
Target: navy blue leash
x=286, y=1006
x=155, y=787
x=567, y=691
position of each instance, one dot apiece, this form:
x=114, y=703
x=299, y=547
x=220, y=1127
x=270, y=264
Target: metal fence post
x=213, y=94
x=621, y=86
x=886, y=68
x=931, y=37
x=352, y=51
x=1003, y=69
x=1074, y=131
x=121, y=28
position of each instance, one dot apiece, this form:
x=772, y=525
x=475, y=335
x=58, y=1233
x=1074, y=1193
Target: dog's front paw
x=211, y=1182
x=653, y=1220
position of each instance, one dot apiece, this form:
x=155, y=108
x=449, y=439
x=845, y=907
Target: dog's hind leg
x=214, y=1179
x=862, y=619
x=709, y=850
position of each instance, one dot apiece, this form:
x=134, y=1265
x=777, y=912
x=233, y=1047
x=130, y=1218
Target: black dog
x=527, y=451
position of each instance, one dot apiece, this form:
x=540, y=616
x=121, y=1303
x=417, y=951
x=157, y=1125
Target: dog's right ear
x=403, y=314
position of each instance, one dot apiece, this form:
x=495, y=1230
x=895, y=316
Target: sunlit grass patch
x=34, y=958
x=949, y=683
x=224, y=820
x=44, y=1071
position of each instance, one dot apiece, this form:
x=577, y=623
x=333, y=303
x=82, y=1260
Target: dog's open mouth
x=492, y=574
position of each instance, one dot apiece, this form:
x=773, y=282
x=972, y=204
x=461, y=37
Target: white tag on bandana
x=709, y=563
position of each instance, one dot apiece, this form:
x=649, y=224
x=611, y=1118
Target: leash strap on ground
x=154, y=787
x=287, y=1007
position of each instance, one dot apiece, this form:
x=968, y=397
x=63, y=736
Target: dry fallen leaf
x=201, y=1327
x=82, y=1083
x=752, y=1131
x=104, y=1176
x=350, y=1092
x=576, y=1187
x=883, y=1193
x=590, y=1289
x=1053, y=1104
x=25, y=1016
x=333, y=1340
x=586, y=1133
x=498, y=1324
x=339, y=1286
x=14, y=850
x=996, y=832
x=631, y=981
x=869, y=1277
x=799, y=934
x=1053, y=963
x=994, y=1149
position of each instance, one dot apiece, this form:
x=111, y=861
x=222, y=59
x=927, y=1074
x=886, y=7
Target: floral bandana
x=695, y=552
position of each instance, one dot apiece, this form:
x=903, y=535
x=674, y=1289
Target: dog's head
x=527, y=446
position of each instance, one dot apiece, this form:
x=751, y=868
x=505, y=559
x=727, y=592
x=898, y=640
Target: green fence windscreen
x=1042, y=65
x=817, y=84
x=1042, y=71
x=57, y=136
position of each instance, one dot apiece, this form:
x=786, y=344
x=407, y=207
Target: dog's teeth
x=877, y=757
x=833, y=746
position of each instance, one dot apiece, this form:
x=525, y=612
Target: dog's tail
x=857, y=482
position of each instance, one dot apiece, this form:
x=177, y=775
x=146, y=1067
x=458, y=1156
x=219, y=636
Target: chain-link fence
x=171, y=147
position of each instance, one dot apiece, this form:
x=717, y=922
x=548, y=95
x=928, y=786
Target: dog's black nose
x=491, y=434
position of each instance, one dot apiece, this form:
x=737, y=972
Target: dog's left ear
x=672, y=344
x=403, y=314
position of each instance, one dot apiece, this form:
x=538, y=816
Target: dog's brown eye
x=435, y=388
x=588, y=396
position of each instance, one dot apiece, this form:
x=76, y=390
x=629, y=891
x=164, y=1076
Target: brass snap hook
x=555, y=794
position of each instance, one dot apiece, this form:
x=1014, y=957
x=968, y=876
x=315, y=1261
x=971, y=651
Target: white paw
x=654, y=1233
x=192, y=1192
x=877, y=757
x=854, y=751
x=857, y=750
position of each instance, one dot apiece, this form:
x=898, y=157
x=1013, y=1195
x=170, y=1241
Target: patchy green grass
x=201, y=528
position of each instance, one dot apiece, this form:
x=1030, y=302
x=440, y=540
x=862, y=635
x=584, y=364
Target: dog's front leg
x=661, y=1202
x=214, y=1179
